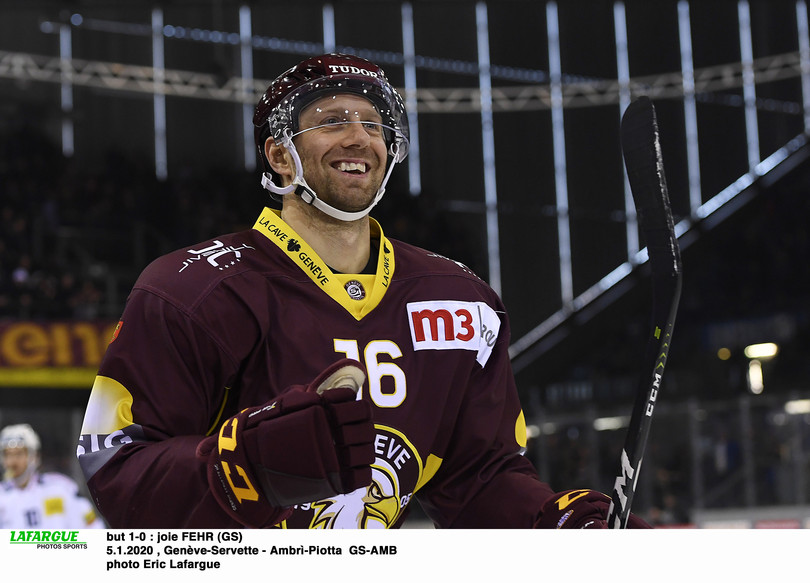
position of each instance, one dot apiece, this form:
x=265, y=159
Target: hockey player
x=205, y=413
x=30, y=499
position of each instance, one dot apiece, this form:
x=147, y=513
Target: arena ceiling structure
x=515, y=107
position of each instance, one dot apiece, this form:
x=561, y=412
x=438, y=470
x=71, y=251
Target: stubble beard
x=352, y=199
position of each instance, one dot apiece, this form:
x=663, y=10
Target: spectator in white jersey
x=30, y=499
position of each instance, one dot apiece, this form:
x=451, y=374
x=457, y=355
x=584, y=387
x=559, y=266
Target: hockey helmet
x=277, y=111
x=19, y=436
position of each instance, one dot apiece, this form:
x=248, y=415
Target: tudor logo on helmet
x=348, y=69
x=276, y=117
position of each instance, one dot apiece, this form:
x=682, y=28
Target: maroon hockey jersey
x=230, y=323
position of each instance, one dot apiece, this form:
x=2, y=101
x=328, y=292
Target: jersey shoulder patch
x=187, y=274
x=206, y=259
x=454, y=325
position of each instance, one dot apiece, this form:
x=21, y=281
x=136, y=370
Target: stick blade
x=643, y=159
x=644, y=162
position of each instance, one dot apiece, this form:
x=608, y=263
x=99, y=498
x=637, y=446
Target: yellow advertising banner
x=63, y=354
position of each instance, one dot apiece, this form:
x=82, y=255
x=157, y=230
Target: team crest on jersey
x=355, y=289
x=454, y=325
x=394, y=473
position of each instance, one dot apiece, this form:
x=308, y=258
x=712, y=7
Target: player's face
x=344, y=163
x=15, y=460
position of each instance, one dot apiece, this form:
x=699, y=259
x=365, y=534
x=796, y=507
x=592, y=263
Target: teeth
x=350, y=166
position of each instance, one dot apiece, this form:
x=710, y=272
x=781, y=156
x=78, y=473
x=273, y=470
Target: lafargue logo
x=48, y=539
x=335, y=69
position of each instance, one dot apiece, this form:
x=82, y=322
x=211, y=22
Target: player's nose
x=355, y=134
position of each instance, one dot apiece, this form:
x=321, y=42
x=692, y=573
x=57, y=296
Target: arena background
x=125, y=133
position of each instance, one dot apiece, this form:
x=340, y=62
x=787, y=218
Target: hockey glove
x=580, y=509
x=310, y=443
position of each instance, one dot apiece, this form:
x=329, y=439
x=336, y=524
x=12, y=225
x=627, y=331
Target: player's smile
x=352, y=169
x=355, y=168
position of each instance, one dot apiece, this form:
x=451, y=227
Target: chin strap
x=300, y=187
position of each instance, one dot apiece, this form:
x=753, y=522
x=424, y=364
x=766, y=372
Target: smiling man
x=205, y=413
x=343, y=157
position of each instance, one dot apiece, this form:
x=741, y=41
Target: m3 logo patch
x=454, y=325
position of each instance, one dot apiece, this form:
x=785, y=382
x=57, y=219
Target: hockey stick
x=641, y=148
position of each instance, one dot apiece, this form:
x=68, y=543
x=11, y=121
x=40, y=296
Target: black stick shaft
x=645, y=171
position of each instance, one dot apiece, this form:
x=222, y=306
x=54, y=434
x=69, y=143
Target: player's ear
x=280, y=160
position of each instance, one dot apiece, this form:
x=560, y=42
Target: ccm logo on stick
x=454, y=325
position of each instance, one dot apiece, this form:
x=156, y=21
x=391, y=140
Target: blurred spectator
x=30, y=498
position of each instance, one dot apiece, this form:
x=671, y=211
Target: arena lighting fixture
x=762, y=351
x=724, y=354
x=798, y=407
x=610, y=423
x=756, y=382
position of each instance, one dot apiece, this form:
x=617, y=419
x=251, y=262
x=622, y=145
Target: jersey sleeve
x=159, y=388
x=484, y=480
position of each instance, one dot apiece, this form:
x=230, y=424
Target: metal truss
x=170, y=82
